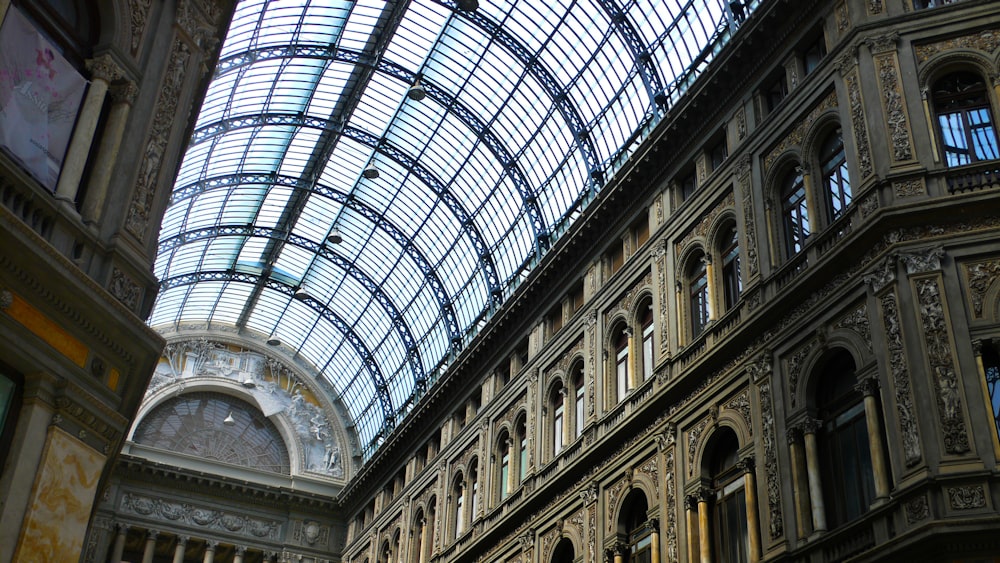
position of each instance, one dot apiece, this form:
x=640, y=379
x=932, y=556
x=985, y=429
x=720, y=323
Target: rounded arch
x=991, y=302
x=784, y=163
x=633, y=510
x=957, y=60
x=563, y=551
x=216, y=426
x=728, y=430
x=833, y=359
x=637, y=309
x=818, y=131
x=693, y=250
x=720, y=226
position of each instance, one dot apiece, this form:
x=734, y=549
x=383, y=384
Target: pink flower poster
x=40, y=95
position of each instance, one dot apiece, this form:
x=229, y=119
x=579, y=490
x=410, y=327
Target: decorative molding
x=981, y=276
x=202, y=517
x=987, y=40
x=937, y=341
x=795, y=136
x=916, y=509
x=922, y=261
x=859, y=123
x=905, y=409
x=125, y=289
x=967, y=497
x=164, y=120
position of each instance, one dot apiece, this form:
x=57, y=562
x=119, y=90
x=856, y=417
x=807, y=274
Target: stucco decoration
x=981, y=276
x=883, y=49
x=916, y=509
x=124, y=289
x=905, y=409
x=859, y=126
x=741, y=404
x=207, y=518
x=276, y=388
x=857, y=321
x=987, y=40
x=700, y=231
x=798, y=132
x=794, y=369
x=164, y=118
x=937, y=340
x=967, y=497
x=743, y=169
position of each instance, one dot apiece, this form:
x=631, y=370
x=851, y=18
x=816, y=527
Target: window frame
x=961, y=105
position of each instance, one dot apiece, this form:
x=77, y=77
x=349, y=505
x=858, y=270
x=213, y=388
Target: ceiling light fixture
x=229, y=420
x=273, y=340
x=467, y=5
x=416, y=92
x=249, y=383
x=334, y=236
x=301, y=294
x=370, y=171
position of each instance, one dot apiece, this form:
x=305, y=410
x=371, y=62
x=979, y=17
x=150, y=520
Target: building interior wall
x=657, y=390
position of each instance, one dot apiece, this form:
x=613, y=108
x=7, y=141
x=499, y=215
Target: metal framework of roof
x=522, y=110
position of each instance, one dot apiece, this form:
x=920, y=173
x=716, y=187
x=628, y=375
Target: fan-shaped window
x=961, y=102
x=216, y=427
x=836, y=181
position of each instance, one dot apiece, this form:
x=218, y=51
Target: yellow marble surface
x=48, y=330
x=61, y=501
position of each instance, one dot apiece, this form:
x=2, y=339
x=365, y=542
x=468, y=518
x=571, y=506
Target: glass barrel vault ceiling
x=528, y=107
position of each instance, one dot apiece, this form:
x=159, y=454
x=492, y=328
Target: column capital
x=124, y=92
x=868, y=386
x=706, y=494
x=241, y=550
x=653, y=525
x=793, y=435
x=747, y=464
x=122, y=527
x=182, y=540
x=977, y=346
x=103, y=68
x=809, y=425
x=691, y=502
x=211, y=544
x=152, y=534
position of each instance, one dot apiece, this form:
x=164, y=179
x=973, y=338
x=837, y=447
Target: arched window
x=646, y=322
x=633, y=528
x=557, y=403
x=522, y=451
x=848, y=481
x=458, y=498
x=729, y=255
x=836, y=182
x=965, y=126
x=563, y=552
x=731, y=539
x=580, y=389
x=794, y=212
x=621, y=363
x=419, y=529
x=503, y=454
x=697, y=283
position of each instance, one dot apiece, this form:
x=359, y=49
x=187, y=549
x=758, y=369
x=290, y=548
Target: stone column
x=424, y=548
x=107, y=154
x=179, y=548
x=210, y=546
x=620, y=550
x=512, y=468
x=119, y=548
x=691, y=511
x=102, y=71
x=713, y=300
x=147, y=552
x=705, y=497
x=654, y=539
x=753, y=518
x=809, y=428
x=869, y=387
x=566, y=426
x=800, y=486
x=813, y=207
x=630, y=362
x=241, y=551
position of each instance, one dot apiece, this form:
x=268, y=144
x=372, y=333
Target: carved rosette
x=981, y=276
x=776, y=524
x=905, y=410
x=883, y=49
x=937, y=341
x=165, y=116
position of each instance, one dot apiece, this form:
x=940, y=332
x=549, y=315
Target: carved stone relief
x=650, y=469
x=662, y=323
x=743, y=169
x=938, y=346
x=741, y=123
x=693, y=436
x=883, y=49
x=981, y=276
x=776, y=525
x=916, y=509
x=627, y=301
x=905, y=410
x=874, y=7
x=138, y=15
x=986, y=40
x=794, y=368
x=859, y=124
x=700, y=231
x=671, y=494
x=857, y=321
x=967, y=497
x=124, y=289
x=741, y=404
x=614, y=495
x=591, y=361
x=310, y=532
x=203, y=517
x=795, y=136
x=909, y=188
x=869, y=204
x=165, y=116
x=843, y=19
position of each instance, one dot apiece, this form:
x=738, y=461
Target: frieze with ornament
x=859, y=125
x=905, y=409
x=798, y=133
x=628, y=300
x=981, y=276
x=206, y=518
x=987, y=40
